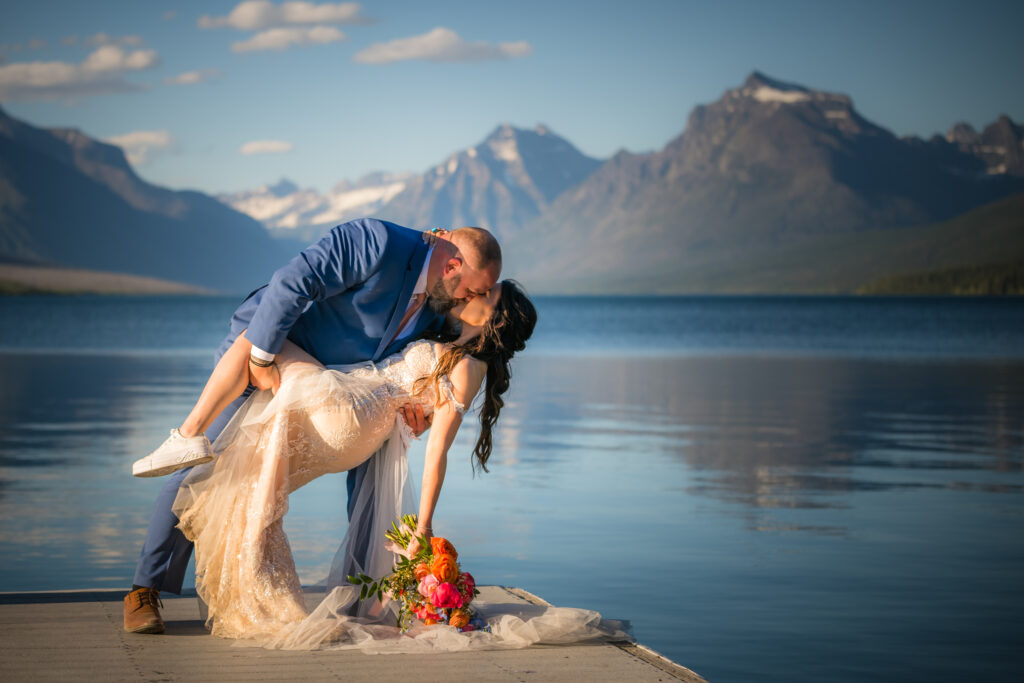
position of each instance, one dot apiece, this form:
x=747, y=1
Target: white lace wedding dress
x=320, y=421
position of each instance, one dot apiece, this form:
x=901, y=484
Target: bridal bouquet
x=428, y=585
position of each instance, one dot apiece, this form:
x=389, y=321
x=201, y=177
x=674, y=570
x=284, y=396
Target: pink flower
x=423, y=612
x=466, y=587
x=468, y=627
x=428, y=585
x=446, y=595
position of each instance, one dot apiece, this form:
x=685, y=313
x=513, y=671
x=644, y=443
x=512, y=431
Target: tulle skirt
x=324, y=421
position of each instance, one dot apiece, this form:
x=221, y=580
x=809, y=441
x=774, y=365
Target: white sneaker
x=174, y=454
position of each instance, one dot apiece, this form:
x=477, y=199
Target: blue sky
x=400, y=85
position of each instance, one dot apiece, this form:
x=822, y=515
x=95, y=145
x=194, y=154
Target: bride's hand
x=414, y=544
x=413, y=416
x=265, y=377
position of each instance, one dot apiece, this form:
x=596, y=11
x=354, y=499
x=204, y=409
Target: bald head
x=467, y=265
x=479, y=248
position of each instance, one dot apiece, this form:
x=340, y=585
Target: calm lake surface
x=770, y=489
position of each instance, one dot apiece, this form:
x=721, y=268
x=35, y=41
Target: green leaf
x=362, y=593
x=354, y=580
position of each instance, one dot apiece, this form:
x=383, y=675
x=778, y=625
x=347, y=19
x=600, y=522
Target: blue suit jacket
x=341, y=299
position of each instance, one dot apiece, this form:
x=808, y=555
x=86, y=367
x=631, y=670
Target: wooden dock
x=78, y=635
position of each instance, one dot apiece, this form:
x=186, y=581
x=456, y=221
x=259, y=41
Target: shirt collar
x=421, y=283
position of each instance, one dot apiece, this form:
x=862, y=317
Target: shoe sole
x=146, y=628
x=173, y=467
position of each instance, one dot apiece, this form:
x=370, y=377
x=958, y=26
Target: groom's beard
x=440, y=297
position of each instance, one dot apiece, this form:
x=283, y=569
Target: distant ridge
x=68, y=200
x=23, y=279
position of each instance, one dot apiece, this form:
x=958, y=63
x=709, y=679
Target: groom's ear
x=453, y=265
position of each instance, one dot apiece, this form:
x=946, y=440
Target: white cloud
x=168, y=15
x=280, y=39
x=100, y=73
x=139, y=145
x=104, y=39
x=255, y=15
x=113, y=58
x=192, y=77
x=440, y=45
x=266, y=147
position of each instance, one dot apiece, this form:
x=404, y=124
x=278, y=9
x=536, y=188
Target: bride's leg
x=291, y=355
x=230, y=378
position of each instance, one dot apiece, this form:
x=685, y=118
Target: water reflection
x=797, y=433
x=755, y=433
x=70, y=426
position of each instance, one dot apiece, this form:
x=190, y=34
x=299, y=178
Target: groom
x=361, y=293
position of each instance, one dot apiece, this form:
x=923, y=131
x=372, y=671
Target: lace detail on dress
x=449, y=393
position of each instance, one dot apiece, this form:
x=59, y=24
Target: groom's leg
x=166, y=552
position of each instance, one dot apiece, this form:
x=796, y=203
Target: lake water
x=770, y=489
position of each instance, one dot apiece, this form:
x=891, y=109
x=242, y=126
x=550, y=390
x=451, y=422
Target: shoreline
x=21, y=280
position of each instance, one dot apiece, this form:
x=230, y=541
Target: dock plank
x=78, y=635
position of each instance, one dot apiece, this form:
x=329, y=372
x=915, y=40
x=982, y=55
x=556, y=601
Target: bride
x=331, y=419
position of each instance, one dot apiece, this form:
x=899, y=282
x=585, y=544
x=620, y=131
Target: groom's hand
x=413, y=416
x=265, y=378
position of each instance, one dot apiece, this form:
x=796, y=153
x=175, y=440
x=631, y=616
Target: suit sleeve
x=346, y=257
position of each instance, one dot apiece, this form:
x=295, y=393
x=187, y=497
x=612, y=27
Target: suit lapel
x=427, y=320
x=412, y=273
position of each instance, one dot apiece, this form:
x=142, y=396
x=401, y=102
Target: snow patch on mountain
x=767, y=94
x=284, y=206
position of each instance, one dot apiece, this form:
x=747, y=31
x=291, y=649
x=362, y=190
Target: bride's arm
x=466, y=378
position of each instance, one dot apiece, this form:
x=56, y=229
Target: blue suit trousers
x=166, y=552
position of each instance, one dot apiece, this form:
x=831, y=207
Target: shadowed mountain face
x=500, y=184
x=766, y=166
x=66, y=199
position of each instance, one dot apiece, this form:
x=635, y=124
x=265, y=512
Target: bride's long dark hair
x=502, y=337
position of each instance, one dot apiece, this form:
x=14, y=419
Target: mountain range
x=774, y=187
x=502, y=183
x=69, y=200
x=767, y=168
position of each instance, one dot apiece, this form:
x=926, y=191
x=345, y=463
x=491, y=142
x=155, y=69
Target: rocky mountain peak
x=762, y=89
x=759, y=80
x=282, y=188
x=1000, y=146
x=963, y=133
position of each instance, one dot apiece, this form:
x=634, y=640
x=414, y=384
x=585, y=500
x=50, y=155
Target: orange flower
x=444, y=568
x=421, y=570
x=441, y=546
x=430, y=622
x=458, y=618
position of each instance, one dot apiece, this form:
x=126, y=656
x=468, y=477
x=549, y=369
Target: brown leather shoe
x=140, y=611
